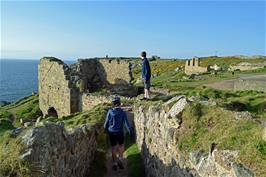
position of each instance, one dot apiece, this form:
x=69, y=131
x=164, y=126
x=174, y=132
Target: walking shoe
x=114, y=167
x=120, y=164
x=143, y=99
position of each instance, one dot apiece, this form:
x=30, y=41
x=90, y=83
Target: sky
x=172, y=29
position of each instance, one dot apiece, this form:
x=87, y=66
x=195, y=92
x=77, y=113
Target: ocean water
x=18, y=78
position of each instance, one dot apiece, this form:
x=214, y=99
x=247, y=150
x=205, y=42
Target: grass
x=134, y=160
x=26, y=108
x=91, y=117
x=252, y=101
x=219, y=126
x=10, y=163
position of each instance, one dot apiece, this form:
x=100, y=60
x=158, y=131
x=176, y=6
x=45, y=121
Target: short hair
x=143, y=54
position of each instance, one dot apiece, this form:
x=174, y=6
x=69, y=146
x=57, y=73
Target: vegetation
x=201, y=125
x=219, y=126
x=26, y=109
x=134, y=160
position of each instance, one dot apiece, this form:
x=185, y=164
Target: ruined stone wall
x=52, y=151
x=157, y=138
x=90, y=100
x=118, y=71
x=54, y=86
x=247, y=66
x=62, y=87
x=193, y=67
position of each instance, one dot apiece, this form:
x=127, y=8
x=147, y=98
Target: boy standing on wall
x=114, y=124
x=146, y=75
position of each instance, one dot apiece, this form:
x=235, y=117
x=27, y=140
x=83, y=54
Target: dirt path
x=110, y=171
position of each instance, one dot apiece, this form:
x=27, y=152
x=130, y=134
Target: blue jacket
x=146, y=70
x=115, y=120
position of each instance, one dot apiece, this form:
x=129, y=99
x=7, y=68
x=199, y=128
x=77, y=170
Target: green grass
x=26, y=108
x=252, y=101
x=91, y=117
x=134, y=160
x=10, y=150
x=225, y=62
x=216, y=125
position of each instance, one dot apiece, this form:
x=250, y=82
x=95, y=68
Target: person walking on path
x=146, y=75
x=114, y=124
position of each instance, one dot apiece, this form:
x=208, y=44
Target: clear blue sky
x=71, y=30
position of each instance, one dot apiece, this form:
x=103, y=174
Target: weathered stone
x=178, y=106
x=158, y=130
x=62, y=88
x=196, y=156
x=242, y=115
x=242, y=171
x=27, y=124
x=38, y=121
x=58, y=152
x=225, y=158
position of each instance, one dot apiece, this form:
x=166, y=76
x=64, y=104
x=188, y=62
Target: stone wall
x=193, y=67
x=157, y=137
x=118, y=71
x=61, y=87
x=89, y=101
x=54, y=86
x=245, y=84
x=244, y=66
x=52, y=151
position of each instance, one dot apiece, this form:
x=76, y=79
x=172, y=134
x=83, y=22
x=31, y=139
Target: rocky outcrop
x=51, y=151
x=157, y=132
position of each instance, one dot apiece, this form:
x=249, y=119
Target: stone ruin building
x=193, y=67
x=67, y=89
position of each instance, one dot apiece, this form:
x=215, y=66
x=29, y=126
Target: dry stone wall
x=157, y=138
x=52, y=151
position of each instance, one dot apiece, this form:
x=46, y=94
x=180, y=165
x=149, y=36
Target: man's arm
x=127, y=124
x=106, y=123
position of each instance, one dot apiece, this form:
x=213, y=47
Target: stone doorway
x=52, y=112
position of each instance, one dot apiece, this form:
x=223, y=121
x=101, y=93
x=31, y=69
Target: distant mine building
x=67, y=89
x=193, y=67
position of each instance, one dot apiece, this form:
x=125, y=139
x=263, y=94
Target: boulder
x=242, y=115
x=27, y=124
x=196, y=156
x=242, y=171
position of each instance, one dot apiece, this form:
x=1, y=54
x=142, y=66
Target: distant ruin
x=245, y=66
x=64, y=89
x=193, y=67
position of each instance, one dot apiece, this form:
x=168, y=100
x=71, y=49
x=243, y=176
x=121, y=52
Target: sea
x=18, y=78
